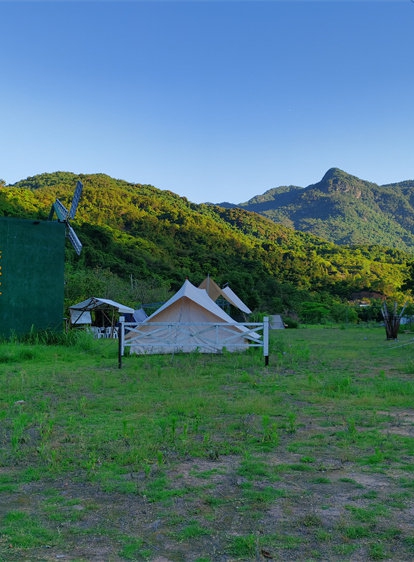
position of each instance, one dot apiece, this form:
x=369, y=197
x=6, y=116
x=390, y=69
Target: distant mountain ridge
x=343, y=209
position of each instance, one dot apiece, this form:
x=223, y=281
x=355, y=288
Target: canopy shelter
x=101, y=313
x=215, y=292
x=188, y=321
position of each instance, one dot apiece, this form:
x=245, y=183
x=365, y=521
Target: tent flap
x=235, y=300
x=80, y=317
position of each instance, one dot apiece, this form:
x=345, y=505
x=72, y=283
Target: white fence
x=170, y=337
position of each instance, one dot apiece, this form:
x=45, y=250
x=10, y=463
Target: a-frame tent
x=215, y=292
x=188, y=321
x=211, y=287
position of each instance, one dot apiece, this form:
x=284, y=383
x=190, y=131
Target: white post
x=121, y=332
x=266, y=339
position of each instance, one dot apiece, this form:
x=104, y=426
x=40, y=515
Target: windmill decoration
x=64, y=216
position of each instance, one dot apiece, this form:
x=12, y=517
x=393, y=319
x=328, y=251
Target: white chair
x=97, y=332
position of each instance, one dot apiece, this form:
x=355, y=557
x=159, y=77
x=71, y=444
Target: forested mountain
x=343, y=209
x=140, y=242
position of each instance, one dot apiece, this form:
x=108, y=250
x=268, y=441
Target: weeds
x=21, y=530
x=191, y=531
x=207, y=454
x=243, y=546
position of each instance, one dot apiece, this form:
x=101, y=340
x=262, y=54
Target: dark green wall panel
x=32, y=275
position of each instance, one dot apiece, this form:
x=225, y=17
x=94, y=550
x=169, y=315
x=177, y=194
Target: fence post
x=266, y=339
x=120, y=340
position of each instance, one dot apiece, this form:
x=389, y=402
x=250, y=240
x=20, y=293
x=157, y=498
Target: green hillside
x=344, y=209
x=140, y=243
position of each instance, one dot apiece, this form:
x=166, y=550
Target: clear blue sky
x=215, y=100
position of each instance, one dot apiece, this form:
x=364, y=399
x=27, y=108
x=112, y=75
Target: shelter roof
x=94, y=302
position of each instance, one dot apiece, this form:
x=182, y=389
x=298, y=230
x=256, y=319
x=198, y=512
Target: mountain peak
x=336, y=180
x=334, y=173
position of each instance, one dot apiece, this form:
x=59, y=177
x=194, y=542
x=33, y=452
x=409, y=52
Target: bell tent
x=188, y=321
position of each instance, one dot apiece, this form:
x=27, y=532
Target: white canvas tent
x=109, y=310
x=189, y=321
x=276, y=322
x=215, y=292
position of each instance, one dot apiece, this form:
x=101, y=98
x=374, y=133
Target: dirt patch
x=210, y=506
x=402, y=422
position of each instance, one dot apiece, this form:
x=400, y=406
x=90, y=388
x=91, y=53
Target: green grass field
x=209, y=458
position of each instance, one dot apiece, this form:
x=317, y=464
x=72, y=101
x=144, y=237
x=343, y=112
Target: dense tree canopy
x=137, y=236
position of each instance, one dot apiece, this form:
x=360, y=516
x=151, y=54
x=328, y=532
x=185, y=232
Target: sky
x=216, y=100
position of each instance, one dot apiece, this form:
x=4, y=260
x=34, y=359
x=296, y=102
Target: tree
x=314, y=312
x=341, y=312
x=408, y=283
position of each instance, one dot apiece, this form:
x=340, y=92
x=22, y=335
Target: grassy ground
x=209, y=458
